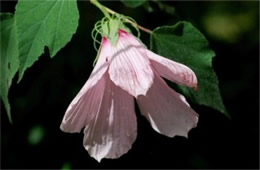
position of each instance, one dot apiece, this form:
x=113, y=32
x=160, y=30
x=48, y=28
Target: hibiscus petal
x=172, y=70
x=83, y=108
x=113, y=131
x=166, y=110
x=86, y=101
x=130, y=68
x=101, y=65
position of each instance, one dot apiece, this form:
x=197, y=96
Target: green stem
x=106, y=12
x=131, y=22
x=101, y=7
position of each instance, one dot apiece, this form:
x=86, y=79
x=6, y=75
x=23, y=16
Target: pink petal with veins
x=113, y=130
x=172, y=70
x=166, y=110
x=129, y=67
x=83, y=105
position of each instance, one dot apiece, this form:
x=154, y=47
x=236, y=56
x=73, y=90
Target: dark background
x=39, y=101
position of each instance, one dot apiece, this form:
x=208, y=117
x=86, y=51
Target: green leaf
x=9, y=62
x=43, y=23
x=185, y=44
x=133, y=3
x=36, y=135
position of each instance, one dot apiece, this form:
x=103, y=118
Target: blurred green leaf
x=198, y=162
x=36, y=134
x=228, y=27
x=165, y=8
x=133, y=3
x=43, y=23
x=185, y=44
x=9, y=62
x=148, y=7
x=66, y=166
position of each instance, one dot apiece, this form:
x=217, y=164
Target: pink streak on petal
x=130, y=68
x=113, y=130
x=166, y=110
x=172, y=70
x=83, y=105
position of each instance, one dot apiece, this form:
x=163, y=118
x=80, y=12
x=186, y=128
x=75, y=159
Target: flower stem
x=131, y=22
x=106, y=12
x=101, y=7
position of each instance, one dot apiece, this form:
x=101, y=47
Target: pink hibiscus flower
x=105, y=104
